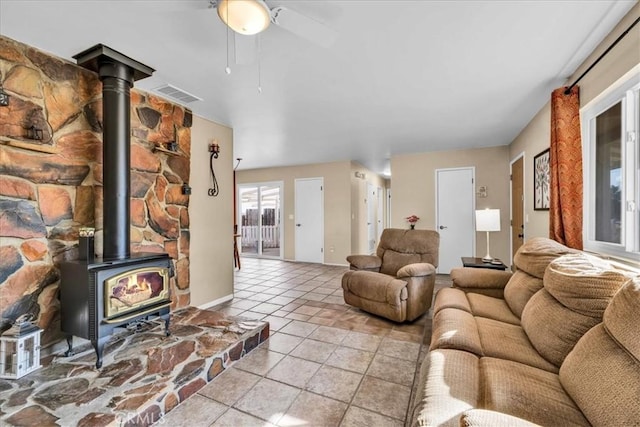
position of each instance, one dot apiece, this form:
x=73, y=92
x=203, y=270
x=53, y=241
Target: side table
x=478, y=263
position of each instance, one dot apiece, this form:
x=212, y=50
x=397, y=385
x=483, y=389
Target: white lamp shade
x=246, y=17
x=488, y=220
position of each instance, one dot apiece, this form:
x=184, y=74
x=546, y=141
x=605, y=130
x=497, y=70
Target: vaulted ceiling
x=399, y=77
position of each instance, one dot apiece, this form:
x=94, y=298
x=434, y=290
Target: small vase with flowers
x=412, y=221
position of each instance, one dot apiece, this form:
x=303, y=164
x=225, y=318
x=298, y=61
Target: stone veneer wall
x=46, y=196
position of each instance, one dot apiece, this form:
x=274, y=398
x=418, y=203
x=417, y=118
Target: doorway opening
x=517, y=204
x=260, y=219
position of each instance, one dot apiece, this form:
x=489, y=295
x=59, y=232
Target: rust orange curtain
x=565, y=204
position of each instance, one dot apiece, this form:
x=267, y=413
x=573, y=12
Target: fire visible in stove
x=135, y=289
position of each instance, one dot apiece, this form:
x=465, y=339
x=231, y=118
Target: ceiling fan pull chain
x=227, y=69
x=258, y=41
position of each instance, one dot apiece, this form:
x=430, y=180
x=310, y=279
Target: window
x=610, y=126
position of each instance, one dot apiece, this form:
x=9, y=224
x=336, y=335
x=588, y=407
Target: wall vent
x=176, y=94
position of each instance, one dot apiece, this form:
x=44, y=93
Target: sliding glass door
x=260, y=219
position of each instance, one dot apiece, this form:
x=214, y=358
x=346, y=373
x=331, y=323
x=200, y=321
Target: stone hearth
x=145, y=373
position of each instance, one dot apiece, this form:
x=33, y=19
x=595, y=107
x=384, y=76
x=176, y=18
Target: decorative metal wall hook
x=214, y=149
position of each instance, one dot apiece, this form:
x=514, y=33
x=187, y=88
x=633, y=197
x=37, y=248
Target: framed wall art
x=541, y=178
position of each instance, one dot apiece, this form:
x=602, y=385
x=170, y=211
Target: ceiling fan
x=249, y=17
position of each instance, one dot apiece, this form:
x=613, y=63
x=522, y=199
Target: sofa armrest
x=364, y=262
x=480, y=280
x=416, y=270
x=485, y=417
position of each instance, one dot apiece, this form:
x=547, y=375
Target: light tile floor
x=325, y=364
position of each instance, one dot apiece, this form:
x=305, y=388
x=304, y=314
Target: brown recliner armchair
x=397, y=282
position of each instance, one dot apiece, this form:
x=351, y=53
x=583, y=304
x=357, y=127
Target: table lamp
x=488, y=220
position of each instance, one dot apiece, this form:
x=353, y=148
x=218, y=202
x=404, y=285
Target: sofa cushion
x=483, y=417
x=582, y=282
x=520, y=289
x=622, y=317
x=527, y=392
x=476, y=304
x=447, y=386
x=509, y=342
x=603, y=370
x=552, y=328
x=455, y=329
x=451, y=298
x=480, y=280
x=603, y=379
x=491, y=308
x=536, y=253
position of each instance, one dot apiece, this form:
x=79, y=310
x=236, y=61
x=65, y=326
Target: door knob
x=298, y=225
x=442, y=227
x=521, y=236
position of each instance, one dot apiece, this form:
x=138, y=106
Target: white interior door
x=371, y=218
x=388, y=203
x=455, y=201
x=309, y=220
x=380, y=216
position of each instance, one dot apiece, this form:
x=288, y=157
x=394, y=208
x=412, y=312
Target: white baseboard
x=321, y=263
x=336, y=264
x=216, y=302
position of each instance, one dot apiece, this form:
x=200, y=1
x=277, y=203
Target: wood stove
x=98, y=295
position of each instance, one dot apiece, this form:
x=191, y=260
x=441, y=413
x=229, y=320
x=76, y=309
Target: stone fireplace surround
x=54, y=187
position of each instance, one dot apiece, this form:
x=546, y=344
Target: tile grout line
x=328, y=284
x=363, y=374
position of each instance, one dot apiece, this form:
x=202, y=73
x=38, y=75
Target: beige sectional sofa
x=555, y=343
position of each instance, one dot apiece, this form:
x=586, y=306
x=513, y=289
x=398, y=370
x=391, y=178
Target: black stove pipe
x=117, y=80
x=117, y=73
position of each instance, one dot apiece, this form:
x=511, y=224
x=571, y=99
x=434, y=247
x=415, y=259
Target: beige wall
x=413, y=189
x=532, y=140
x=536, y=135
x=211, y=218
x=337, y=204
x=615, y=64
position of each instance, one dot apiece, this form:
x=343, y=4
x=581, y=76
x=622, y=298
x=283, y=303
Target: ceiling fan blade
x=303, y=26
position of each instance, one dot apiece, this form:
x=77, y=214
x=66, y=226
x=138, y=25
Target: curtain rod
x=568, y=90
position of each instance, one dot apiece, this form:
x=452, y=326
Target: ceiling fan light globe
x=246, y=17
